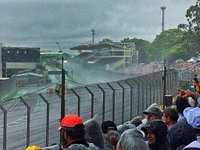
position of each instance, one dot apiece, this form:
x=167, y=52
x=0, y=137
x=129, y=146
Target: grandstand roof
x=93, y=46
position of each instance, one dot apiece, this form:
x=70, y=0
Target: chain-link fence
x=34, y=119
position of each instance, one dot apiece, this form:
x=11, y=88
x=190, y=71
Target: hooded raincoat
x=159, y=128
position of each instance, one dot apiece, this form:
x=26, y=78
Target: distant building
x=110, y=54
x=15, y=59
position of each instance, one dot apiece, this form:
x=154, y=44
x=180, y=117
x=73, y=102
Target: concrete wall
x=20, y=65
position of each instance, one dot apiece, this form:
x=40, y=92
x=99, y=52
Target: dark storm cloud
x=40, y=23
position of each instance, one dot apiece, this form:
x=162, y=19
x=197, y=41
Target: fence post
x=122, y=101
x=47, y=119
x=103, y=109
x=150, y=91
x=138, y=92
x=92, y=101
x=28, y=120
x=113, y=102
x=141, y=78
x=164, y=82
x=131, y=99
x=144, y=91
x=175, y=73
x=142, y=94
x=79, y=101
x=4, y=127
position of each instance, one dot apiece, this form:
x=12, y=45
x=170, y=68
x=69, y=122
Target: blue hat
x=192, y=116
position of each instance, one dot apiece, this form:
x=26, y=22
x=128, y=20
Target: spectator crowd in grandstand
x=142, y=68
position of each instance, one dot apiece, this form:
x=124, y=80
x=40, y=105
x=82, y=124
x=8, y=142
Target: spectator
x=192, y=116
x=180, y=135
x=195, y=83
x=153, y=112
x=73, y=133
x=132, y=139
x=170, y=117
x=93, y=133
x=136, y=121
x=123, y=127
x=194, y=96
x=181, y=104
x=156, y=134
x=186, y=93
x=107, y=126
x=112, y=137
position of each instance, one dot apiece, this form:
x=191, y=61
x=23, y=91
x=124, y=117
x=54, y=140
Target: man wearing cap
x=106, y=127
x=73, y=134
x=153, y=112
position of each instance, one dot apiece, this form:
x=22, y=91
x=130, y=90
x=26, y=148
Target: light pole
x=163, y=17
x=164, y=83
x=62, y=111
x=93, y=32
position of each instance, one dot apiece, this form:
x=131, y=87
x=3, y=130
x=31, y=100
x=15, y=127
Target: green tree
x=175, y=52
x=159, y=48
x=193, y=18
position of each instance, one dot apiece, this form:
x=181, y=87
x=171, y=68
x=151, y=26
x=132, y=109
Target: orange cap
x=71, y=120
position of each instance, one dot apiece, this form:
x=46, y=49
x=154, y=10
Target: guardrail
x=34, y=119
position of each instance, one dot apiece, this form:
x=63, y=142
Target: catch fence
x=34, y=119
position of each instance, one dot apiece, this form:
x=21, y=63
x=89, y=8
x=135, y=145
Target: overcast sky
x=41, y=23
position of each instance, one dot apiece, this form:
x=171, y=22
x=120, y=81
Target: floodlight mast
x=62, y=111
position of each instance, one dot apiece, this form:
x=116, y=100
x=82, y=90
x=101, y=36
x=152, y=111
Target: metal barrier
x=28, y=121
x=34, y=119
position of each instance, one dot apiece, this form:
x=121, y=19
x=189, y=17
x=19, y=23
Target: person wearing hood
x=156, y=134
x=180, y=135
x=132, y=139
x=192, y=116
x=93, y=133
x=73, y=134
x=123, y=127
x=112, y=137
